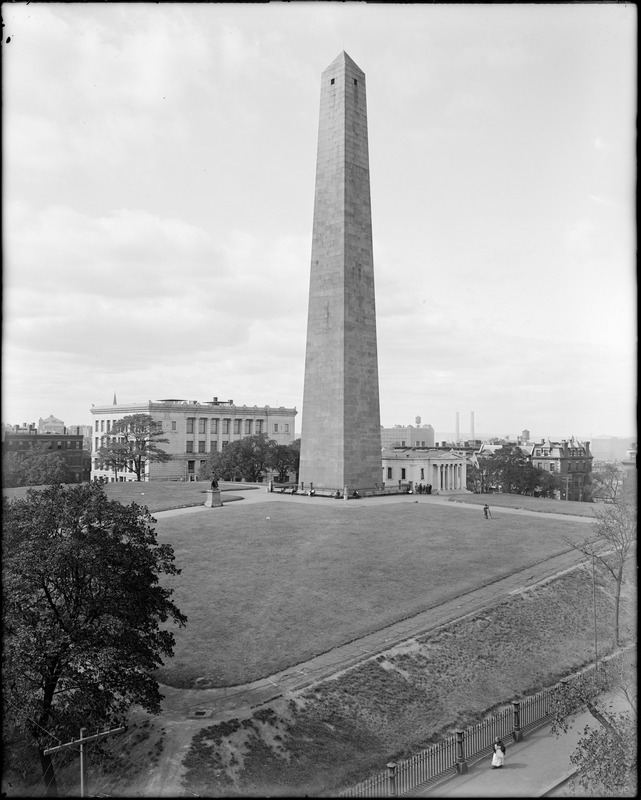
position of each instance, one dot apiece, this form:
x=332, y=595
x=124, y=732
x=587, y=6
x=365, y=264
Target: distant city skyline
x=159, y=168
x=439, y=435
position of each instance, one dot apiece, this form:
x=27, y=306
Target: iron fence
x=439, y=759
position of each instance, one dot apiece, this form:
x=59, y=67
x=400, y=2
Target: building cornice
x=205, y=409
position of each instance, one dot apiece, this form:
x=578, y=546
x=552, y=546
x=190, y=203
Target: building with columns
x=194, y=430
x=444, y=470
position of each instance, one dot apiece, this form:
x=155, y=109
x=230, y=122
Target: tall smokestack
x=472, y=425
x=456, y=438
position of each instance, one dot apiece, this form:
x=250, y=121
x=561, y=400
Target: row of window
x=578, y=465
x=130, y=464
x=100, y=425
x=573, y=452
x=102, y=440
x=246, y=427
x=250, y=426
x=14, y=444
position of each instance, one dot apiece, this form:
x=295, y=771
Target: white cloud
x=159, y=168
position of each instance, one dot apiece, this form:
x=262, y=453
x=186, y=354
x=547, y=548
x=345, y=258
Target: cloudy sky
x=159, y=166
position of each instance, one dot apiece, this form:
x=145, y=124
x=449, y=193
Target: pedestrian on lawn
x=487, y=512
x=498, y=756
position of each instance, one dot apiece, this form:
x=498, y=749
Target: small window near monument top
x=332, y=81
x=355, y=82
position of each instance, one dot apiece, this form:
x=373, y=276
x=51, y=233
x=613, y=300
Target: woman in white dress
x=499, y=754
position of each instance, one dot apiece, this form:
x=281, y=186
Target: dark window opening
x=332, y=81
x=355, y=82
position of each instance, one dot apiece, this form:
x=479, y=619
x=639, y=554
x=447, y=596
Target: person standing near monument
x=487, y=512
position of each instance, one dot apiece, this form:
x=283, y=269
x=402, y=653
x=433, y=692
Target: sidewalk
x=533, y=767
x=261, y=495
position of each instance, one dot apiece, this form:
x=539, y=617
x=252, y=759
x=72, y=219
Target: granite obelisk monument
x=340, y=435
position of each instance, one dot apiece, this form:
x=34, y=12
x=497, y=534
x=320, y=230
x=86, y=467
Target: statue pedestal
x=213, y=498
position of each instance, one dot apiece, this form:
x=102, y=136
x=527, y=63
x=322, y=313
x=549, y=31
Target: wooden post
x=81, y=741
x=83, y=775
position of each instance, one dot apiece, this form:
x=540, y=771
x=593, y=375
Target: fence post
x=517, y=733
x=391, y=778
x=461, y=763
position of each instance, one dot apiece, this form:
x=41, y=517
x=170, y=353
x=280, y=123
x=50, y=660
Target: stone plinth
x=213, y=498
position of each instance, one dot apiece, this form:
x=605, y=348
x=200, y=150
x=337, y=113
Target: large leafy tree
x=37, y=466
x=511, y=470
x=285, y=459
x=248, y=458
x=113, y=456
x=135, y=441
x=545, y=483
x=482, y=475
x=83, y=614
x=510, y=465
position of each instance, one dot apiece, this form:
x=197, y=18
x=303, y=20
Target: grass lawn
x=529, y=503
x=345, y=729
x=156, y=495
x=266, y=586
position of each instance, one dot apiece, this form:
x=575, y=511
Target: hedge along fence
x=452, y=755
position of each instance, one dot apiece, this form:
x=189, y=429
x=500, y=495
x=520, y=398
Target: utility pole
x=81, y=741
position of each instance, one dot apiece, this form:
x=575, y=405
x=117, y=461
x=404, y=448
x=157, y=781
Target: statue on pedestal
x=213, y=494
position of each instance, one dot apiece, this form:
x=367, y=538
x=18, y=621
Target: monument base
x=213, y=498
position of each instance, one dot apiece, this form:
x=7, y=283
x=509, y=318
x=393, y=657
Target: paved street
x=533, y=767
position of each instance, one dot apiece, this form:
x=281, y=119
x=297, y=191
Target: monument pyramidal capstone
x=340, y=435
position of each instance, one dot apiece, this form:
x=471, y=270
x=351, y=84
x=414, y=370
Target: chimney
x=472, y=425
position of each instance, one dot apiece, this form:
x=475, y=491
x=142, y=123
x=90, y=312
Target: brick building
x=20, y=439
x=570, y=460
